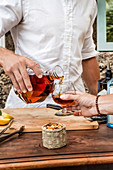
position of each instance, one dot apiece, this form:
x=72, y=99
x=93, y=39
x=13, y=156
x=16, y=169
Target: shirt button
x=68, y=38
x=65, y=77
x=68, y=18
x=66, y=58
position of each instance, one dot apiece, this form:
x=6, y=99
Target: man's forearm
x=15, y=66
x=91, y=74
x=4, y=53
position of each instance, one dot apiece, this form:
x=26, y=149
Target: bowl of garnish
x=54, y=135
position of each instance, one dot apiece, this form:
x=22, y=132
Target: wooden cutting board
x=34, y=118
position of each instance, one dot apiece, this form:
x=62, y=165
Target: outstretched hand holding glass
x=59, y=89
x=86, y=103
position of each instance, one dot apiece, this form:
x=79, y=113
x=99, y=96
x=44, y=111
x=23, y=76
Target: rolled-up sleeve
x=10, y=14
x=88, y=49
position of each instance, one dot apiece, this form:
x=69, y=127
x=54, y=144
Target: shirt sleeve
x=10, y=14
x=88, y=49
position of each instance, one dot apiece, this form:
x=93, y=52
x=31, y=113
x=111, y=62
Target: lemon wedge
x=4, y=121
x=5, y=118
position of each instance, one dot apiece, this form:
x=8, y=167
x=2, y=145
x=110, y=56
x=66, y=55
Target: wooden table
x=86, y=149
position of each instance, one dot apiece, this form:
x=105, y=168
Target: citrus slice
x=7, y=116
x=4, y=121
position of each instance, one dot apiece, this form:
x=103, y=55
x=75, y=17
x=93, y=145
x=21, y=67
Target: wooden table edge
x=57, y=163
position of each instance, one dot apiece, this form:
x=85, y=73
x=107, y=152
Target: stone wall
x=5, y=86
x=103, y=62
x=5, y=82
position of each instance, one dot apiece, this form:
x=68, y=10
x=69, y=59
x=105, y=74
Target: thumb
x=69, y=96
x=35, y=67
x=79, y=93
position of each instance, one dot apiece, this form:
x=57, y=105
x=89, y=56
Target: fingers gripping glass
x=59, y=89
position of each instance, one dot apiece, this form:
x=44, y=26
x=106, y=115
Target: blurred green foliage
x=109, y=20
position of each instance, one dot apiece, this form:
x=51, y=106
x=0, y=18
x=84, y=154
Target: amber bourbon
x=58, y=100
x=42, y=87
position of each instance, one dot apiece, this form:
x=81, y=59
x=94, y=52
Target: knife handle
x=53, y=106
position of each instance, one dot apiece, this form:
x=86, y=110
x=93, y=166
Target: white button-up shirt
x=50, y=32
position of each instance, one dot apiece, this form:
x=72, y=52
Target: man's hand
x=15, y=67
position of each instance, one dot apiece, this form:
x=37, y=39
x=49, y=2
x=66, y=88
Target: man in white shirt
x=48, y=33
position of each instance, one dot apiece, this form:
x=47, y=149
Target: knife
x=53, y=106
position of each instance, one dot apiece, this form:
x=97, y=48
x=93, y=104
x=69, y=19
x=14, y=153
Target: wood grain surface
x=34, y=118
x=84, y=147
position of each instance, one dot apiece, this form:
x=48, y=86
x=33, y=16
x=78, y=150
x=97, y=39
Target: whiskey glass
x=61, y=88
